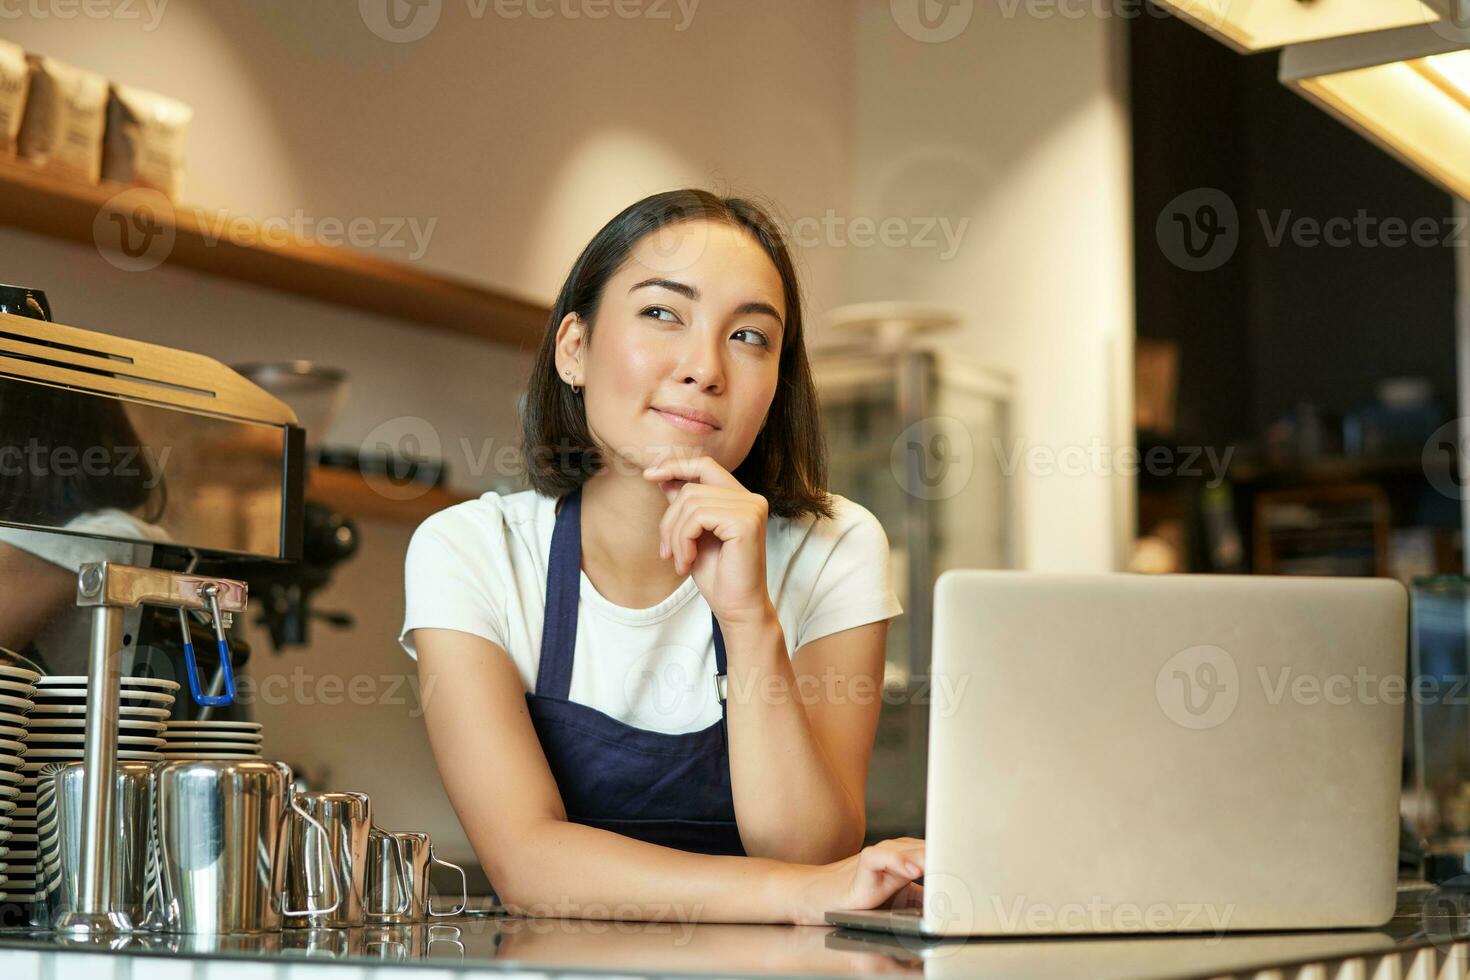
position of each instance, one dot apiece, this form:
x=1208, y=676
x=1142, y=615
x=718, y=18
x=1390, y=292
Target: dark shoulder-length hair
x=787, y=464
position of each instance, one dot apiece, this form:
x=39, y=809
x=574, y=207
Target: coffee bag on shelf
x=15, y=83
x=145, y=139
x=64, y=119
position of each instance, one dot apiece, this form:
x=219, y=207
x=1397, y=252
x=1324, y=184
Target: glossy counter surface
x=1430, y=937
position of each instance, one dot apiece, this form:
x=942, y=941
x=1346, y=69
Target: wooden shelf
x=35, y=201
x=350, y=493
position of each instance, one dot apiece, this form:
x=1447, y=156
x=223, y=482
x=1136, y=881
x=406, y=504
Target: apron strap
x=719, y=662
x=563, y=588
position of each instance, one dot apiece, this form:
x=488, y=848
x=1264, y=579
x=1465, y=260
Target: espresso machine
x=140, y=450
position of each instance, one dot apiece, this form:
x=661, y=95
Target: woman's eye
x=660, y=309
x=760, y=338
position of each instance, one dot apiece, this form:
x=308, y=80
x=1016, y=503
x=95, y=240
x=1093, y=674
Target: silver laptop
x=1144, y=754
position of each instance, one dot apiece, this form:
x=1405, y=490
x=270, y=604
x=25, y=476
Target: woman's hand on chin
x=880, y=876
x=715, y=529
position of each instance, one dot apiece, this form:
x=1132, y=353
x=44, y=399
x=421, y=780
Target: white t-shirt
x=66, y=639
x=480, y=567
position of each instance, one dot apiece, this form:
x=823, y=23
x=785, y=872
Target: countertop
x=1429, y=937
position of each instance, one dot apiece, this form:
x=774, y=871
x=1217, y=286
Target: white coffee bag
x=15, y=83
x=145, y=139
x=65, y=116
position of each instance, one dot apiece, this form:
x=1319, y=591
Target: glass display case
x=1436, y=802
x=917, y=437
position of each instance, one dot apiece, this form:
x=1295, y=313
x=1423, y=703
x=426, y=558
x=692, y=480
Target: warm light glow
x=1418, y=110
x=1449, y=72
x=1257, y=25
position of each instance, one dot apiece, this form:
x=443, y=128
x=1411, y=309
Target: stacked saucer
x=17, y=687
x=56, y=732
x=198, y=740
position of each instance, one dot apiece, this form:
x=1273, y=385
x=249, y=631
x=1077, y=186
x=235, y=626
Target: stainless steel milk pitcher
x=221, y=829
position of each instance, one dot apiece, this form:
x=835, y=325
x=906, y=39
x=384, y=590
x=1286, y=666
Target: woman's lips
x=680, y=422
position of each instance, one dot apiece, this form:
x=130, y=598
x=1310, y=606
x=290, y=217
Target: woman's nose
x=702, y=365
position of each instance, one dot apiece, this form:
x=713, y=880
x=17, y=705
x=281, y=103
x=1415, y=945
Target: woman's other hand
x=880, y=876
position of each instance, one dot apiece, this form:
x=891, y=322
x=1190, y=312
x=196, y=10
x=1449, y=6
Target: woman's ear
x=570, y=334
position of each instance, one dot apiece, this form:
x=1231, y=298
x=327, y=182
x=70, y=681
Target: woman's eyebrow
x=690, y=292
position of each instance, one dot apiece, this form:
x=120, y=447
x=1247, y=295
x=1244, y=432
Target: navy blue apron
x=666, y=789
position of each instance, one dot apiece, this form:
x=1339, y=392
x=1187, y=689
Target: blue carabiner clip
x=210, y=592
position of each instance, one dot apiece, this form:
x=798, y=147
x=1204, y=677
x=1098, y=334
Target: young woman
x=652, y=681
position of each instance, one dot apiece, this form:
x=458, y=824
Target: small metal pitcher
x=397, y=888
x=346, y=819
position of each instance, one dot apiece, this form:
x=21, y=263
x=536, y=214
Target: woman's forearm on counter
x=570, y=870
x=790, y=803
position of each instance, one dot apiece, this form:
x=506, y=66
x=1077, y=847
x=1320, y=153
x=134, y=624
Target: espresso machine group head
x=178, y=452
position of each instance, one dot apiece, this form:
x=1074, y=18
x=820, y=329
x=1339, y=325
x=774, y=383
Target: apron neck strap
x=563, y=586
